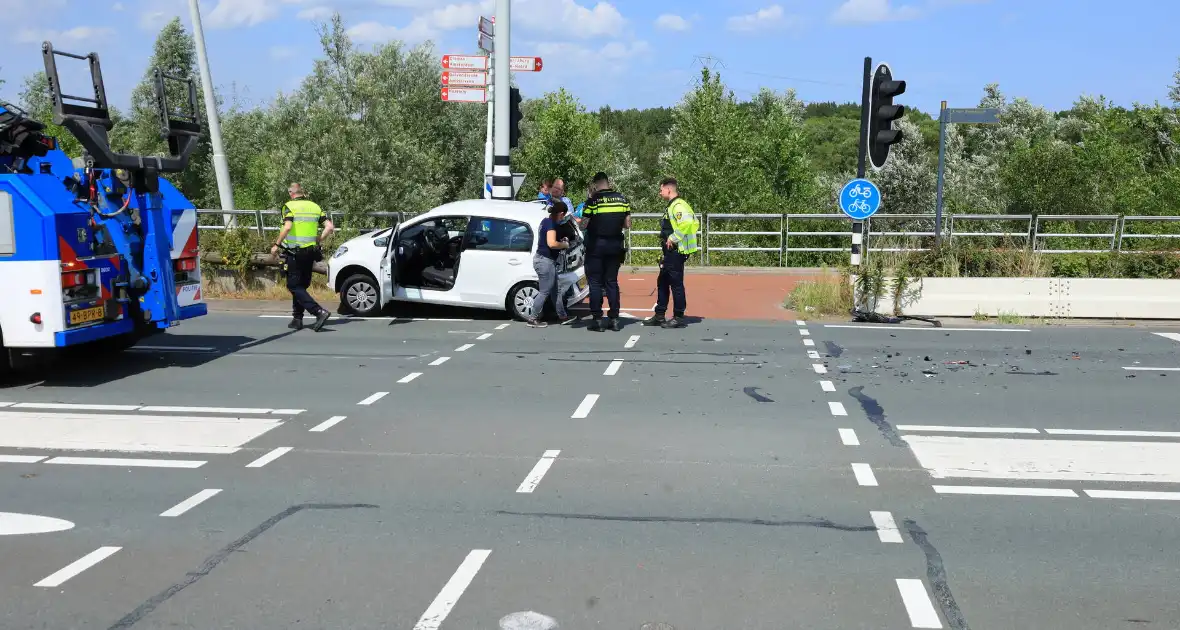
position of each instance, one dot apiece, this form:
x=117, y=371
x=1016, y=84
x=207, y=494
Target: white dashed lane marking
x=917, y=604
x=613, y=368
x=269, y=457
x=864, y=475
x=465, y=347
x=827, y=386
x=631, y=342
x=191, y=502
x=538, y=472
x=819, y=368
x=409, y=377
x=886, y=527
x=78, y=566
x=848, y=437
x=583, y=409
x=484, y=336
x=449, y=595
x=327, y=424
x=374, y=398
x=837, y=409
x=439, y=361
x=809, y=342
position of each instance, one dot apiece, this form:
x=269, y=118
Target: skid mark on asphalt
x=821, y=523
x=752, y=392
x=212, y=561
x=876, y=415
x=936, y=573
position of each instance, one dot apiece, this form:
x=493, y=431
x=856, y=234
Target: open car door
x=388, y=278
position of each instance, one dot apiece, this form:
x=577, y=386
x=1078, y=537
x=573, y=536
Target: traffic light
x=514, y=118
x=882, y=113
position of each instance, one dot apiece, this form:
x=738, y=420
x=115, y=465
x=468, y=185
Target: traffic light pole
x=489, y=148
x=501, y=162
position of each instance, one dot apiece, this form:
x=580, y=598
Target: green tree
x=34, y=99
x=174, y=54
x=780, y=141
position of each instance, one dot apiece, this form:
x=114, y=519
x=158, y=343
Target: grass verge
x=217, y=291
x=827, y=295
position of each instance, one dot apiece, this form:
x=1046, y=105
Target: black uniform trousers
x=298, y=265
x=671, y=281
x=603, y=258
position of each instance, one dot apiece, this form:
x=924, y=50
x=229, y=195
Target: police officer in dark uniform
x=606, y=215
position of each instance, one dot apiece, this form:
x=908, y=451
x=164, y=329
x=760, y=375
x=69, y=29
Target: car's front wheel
x=360, y=295
x=520, y=301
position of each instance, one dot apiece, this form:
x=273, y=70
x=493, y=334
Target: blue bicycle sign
x=860, y=199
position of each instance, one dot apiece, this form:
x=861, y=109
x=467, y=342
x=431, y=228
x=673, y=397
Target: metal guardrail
x=778, y=236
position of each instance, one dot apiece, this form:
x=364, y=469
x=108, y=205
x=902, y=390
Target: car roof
x=530, y=211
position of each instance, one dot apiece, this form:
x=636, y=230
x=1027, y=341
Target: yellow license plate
x=582, y=282
x=86, y=315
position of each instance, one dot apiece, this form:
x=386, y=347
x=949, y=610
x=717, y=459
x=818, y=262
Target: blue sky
x=641, y=53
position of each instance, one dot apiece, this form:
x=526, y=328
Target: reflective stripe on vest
x=684, y=228
x=304, y=216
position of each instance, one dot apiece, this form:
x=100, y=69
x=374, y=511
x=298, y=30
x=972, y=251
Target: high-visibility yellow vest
x=684, y=226
x=305, y=217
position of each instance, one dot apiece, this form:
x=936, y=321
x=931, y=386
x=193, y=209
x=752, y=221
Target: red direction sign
x=464, y=79
x=525, y=64
x=464, y=95
x=465, y=62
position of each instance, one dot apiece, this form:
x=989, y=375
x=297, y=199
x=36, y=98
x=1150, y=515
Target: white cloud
x=566, y=58
x=234, y=13
x=672, y=22
x=315, y=13
x=429, y=25
x=569, y=18
x=772, y=17
x=154, y=20
x=74, y=35
x=869, y=11
x=279, y=53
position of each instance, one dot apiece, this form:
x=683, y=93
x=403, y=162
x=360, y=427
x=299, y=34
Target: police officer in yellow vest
x=301, y=239
x=678, y=233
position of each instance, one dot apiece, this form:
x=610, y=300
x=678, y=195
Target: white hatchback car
x=474, y=253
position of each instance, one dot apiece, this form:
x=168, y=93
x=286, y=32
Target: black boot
x=654, y=320
x=677, y=321
x=596, y=325
x=296, y=323
x=320, y=320
x=615, y=324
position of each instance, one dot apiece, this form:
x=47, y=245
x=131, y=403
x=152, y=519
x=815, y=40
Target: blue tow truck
x=98, y=249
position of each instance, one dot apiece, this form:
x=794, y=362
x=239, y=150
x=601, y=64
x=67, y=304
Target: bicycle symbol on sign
x=860, y=205
x=858, y=191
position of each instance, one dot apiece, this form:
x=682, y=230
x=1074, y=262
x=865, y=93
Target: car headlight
x=340, y=251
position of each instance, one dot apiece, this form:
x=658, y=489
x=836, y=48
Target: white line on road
x=409, y=377
x=327, y=424
x=848, y=437
x=1113, y=433
x=374, y=398
x=1172, y=336
x=864, y=475
x=583, y=409
x=21, y=459
x=383, y=319
x=449, y=595
x=819, y=368
x=1133, y=494
x=909, y=328
x=1152, y=369
x=131, y=463
x=78, y=566
x=938, y=429
x=269, y=457
x=484, y=336
x=534, y=477
x=800, y=322
x=837, y=409
x=827, y=386
x=191, y=502
x=613, y=368
x=439, y=361
x=631, y=342
x=804, y=332
x=502, y=326
x=1006, y=491
x=886, y=527
x=812, y=354
x=6, y=404
x=465, y=347
x=175, y=348
x=917, y=604
x=234, y=410
x=809, y=342
x=286, y=412
x=76, y=407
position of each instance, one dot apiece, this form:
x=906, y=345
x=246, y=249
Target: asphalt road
x=448, y=474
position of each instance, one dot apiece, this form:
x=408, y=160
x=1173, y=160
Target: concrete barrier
x=1048, y=297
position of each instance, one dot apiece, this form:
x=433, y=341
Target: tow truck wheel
x=520, y=301
x=360, y=295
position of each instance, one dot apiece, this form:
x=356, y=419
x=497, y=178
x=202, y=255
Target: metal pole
x=501, y=161
x=489, y=145
x=220, y=167
x=862, y=156
x=942, y=116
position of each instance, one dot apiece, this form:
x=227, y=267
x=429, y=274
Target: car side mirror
x=382, y=242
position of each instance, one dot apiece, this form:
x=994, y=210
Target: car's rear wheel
x=360, y=295
x=520, y=301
